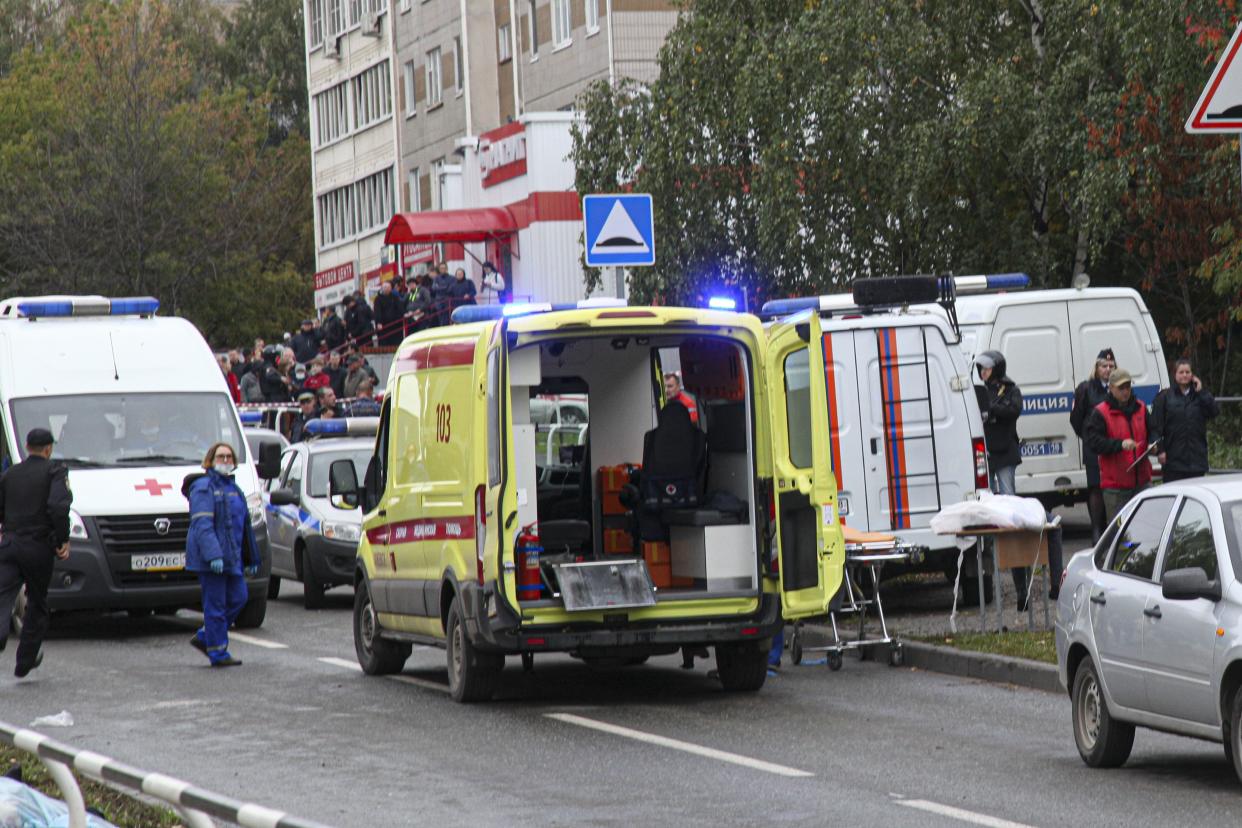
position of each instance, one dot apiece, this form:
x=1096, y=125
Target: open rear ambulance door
x=496, y=516
x=809, y=547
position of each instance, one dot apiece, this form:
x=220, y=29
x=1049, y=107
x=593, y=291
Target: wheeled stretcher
x=864, y=552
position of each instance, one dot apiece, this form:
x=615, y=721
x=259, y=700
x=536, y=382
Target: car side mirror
x=1188, y=584
x=282, y=497
x=269, y=461
x=343, y=483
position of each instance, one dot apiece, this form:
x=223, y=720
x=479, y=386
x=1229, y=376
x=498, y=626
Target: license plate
x=157, y=562
x=1043, y=448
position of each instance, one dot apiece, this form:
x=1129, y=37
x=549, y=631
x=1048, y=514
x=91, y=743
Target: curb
x=985, y=666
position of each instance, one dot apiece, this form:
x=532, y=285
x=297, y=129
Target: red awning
x=476, y=225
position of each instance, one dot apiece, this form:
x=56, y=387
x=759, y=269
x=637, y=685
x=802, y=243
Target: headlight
x=342, y=531
x=254, y=501
x=77, y=527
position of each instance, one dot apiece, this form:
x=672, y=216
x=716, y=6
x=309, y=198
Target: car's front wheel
x=1103, y=742
x=1233, y=738
x=376, y=655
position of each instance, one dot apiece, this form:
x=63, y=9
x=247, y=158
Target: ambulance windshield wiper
x=171, y=459
x=79, y=462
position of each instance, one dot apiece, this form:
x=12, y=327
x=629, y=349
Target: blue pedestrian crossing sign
x=619, y=230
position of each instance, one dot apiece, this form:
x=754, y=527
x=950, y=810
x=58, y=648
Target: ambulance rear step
x=596, y=585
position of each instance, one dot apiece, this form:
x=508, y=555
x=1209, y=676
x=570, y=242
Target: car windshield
x=1231, y=512
x=120, y=430
x=320, y=464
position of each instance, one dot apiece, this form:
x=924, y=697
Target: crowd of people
x=403, y=305
x=275, y=374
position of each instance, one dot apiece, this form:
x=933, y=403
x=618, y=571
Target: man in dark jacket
x=1178, y=422
x=1087, y=396
x=1117, y=433
x=275, y=383
x=332, y=328
x=34, y=509
x=389, y=313
x=305, y=343
x=1000, y=402
x=359, y=321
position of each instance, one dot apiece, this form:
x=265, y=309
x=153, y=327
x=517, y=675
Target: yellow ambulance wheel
x=473, y=675
x=376, y=655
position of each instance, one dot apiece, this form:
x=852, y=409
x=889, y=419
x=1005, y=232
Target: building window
x=437, y=184
x=336, y=17
x=534, y=30
x=372, y=96
x=459, y=73
x=435, y=91
x=332, y=114
x=592, y=15
x=411, y=105
x=315, y=15
x=405, y=5
x=355, y=12
x=504, y=42
x=361, y=207
x=411, y=186
x=562, y=27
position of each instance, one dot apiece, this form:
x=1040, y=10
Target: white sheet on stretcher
x=1001, y=511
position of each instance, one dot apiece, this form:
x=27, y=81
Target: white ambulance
x=133, y=401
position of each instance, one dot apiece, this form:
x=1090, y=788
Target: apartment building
x=467, y=78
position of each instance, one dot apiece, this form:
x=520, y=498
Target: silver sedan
x=1148, y=628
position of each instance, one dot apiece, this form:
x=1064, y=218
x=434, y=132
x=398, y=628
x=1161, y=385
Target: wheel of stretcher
x=896, y=657
x=834, y=661
x=795, y=647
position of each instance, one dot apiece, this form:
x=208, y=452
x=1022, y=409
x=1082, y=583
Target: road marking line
x=258, y=642
x=961, y=814
x=677, y=744
x=418, y=682
x=340, y=662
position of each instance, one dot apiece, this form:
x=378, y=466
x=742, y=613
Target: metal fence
x=199, y=807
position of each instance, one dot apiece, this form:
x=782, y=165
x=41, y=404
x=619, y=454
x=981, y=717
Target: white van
x=906, y=435
x=1050, y=339
x=134, y=401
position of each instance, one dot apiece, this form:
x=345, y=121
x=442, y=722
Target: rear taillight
x=981, y=462
x=480, y=528
x=771, y=504
x=1062, y=584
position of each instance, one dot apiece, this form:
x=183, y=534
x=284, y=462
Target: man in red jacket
x=1117, y=432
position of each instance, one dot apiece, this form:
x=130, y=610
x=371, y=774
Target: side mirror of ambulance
x=269, y=461
x=343, y=483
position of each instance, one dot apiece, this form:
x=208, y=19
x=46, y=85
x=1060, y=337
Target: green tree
x=265, y=52
x=124, y=171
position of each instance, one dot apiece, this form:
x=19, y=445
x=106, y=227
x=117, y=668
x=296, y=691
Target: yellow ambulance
x=682, y=499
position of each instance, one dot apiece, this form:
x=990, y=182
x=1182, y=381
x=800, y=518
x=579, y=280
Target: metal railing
x=200, y=807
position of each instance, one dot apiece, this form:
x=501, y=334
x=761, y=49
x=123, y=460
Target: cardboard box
x=1017, y=547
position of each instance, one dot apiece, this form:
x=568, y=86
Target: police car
x=312, y=540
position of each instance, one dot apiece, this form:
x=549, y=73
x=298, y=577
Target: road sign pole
x=618, y=280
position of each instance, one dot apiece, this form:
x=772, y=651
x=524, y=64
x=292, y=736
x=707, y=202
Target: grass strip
x=120, y=809
x=1034, y=645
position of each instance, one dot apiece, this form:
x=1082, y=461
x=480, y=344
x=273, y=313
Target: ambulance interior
x=607, y=467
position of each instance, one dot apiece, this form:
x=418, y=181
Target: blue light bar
x=342, y=427
x=88, y=306
x=785, y=307
x=250, y=417
x=1008, y=281
x=524, y=308
x=722, y=303
x=488, y=313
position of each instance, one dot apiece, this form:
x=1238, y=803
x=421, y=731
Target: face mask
x=224, y=467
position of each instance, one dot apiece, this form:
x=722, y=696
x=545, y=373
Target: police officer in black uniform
x=34, y=513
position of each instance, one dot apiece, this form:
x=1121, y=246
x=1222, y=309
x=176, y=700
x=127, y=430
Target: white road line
x=960, y=814
x=418, y=682
x=340, y=662
x=258, y=642
x=677, y=744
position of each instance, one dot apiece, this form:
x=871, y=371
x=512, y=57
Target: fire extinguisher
x=530, y=583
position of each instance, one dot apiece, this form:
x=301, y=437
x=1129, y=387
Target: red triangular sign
x=1220, y=106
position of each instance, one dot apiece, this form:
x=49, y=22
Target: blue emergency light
x=342, y=427
x=250, y=417
x=722, y=303
x=87, y=306
x=785, y=307
x=488, y=313
x=961, y=285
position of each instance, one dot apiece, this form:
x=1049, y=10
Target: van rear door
x=1036, y=341
x=1119, y=323
x=809, y=547
x=499, y=498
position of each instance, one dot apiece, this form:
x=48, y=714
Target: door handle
x=875, y=445
x=382, y=513
x=1098, y=598
x=1152, y=612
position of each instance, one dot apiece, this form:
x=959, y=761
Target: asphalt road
x=300, y=729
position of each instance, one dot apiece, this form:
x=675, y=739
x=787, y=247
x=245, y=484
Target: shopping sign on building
x=332, y=284
x=1220, y=106
x=502, y=153
x=618, y=230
